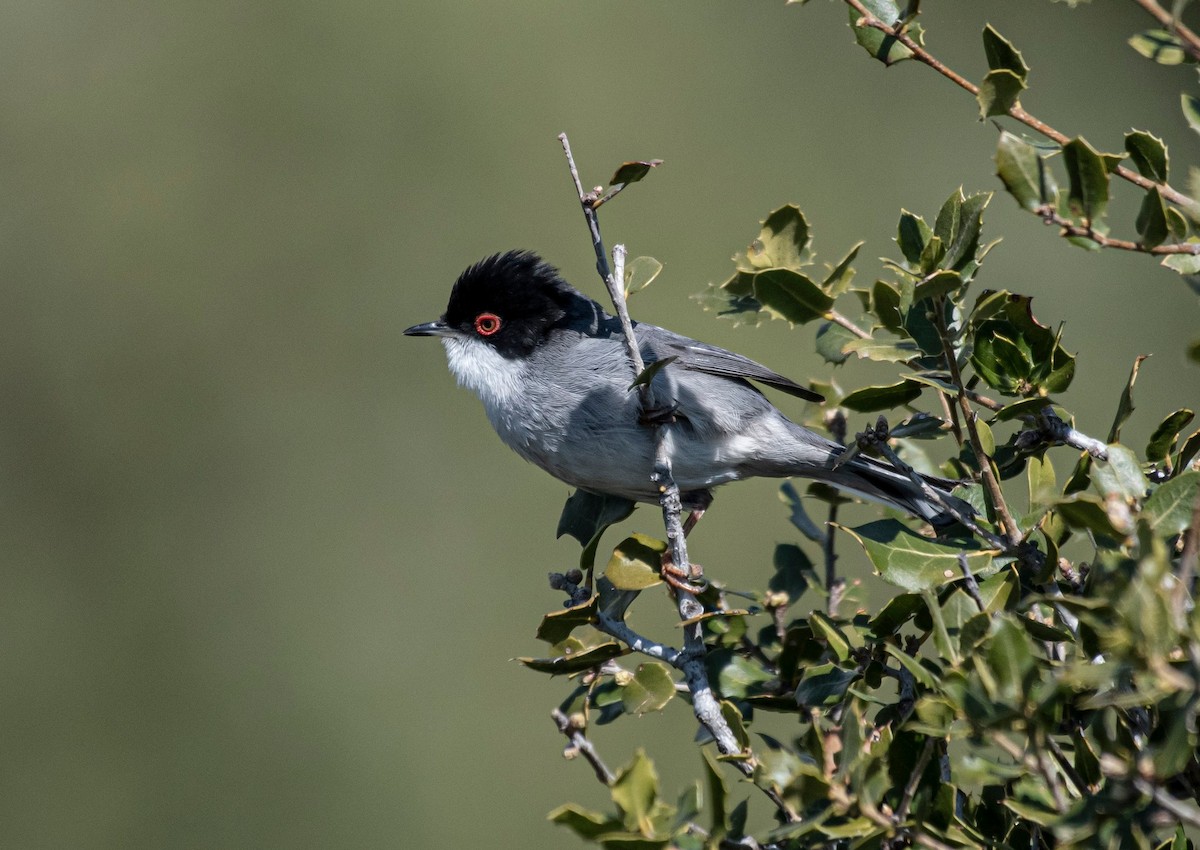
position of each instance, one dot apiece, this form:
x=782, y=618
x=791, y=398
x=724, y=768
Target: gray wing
x=702, y=357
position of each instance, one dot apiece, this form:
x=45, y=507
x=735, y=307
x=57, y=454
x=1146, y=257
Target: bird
x=552, y=370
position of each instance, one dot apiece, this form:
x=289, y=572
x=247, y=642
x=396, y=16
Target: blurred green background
x=264, y=567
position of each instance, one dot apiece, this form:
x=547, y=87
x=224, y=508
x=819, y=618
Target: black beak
x=438, y=328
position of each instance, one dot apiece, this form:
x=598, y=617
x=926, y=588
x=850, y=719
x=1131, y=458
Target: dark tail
x=880, y=482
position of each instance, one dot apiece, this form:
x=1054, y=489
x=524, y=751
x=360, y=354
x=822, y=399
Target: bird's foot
x=689, y=581
x=654, y=417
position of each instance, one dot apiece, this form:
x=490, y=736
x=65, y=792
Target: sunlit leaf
x=908, y=560
x=1148, y=155
x=632, y=172
x=782, y=243
x=1169, y=508
x=650, y=689
x=636, y=563
x=1161, y=46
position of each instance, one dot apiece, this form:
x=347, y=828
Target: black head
x=511, y=301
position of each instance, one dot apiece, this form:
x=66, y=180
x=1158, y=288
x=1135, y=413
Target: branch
x=1016, y=112
x=690, y=661
x=1011, y=531
x=1050, y=216
x=1169, y=22
x=834, y=586
x=580, y=745
x=1049, y=428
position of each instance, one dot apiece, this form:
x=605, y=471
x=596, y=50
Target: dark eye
x=487, y=324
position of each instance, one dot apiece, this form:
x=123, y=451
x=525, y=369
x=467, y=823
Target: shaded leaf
x=912, y=236
x=1162, y=441
x=1002, y=55
x=584, y=822
x=585, y=515
x=824, y=684
x=1088, y=193
x=959, y=224
x=999, y=92
x=871, y=399
x=789, y=295
x=839, y=277
x=558, y=625
x=799, y=517
x=1152, y=220
x=880, y=46
x=633, y=171
x=831, y=339
x=1120, y=474
x=792, y=568
x=1148, y=155
x=1125, y=405
x=1191, y=110
x=1023, y=172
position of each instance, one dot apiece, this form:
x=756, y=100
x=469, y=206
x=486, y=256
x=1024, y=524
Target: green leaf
x=825, y=628
x=1010, y=658
x=1023, y=172
x=1014, y=353
x=912, y=236
x=636, y=563
x=880, y=46
x=1148, y=155
x=1152, y=220
x=586, y=515
x=1086, y=512
x=735, y=676
x=584, y=822
x=558, y=625
x=799, y=517
x=1189, y=449
x=632, y=172
x=650, y=689
x=823, y=685
x=1191, y=110
x=635, y=790
x=789, y=295
x=880, y=350
x=647, y=375
x=792, y=568
x=576, y=662
x=782, y=243
x=871, y=399
x=959, y=224
x=1121, y=474
x=942, y=283
x=1163, y=47
x=839, y=277
x=718, y=792
x=1088, y=194
x=1043, y=489
x=831, y=339
x=1002, y=55
x=912, y=562
x=1125, y=405
x=1162, y=441
x=1169, y=508
x=895, y=613
x=1186, y=264
x=919, y=671
x=885, y=304
x=640, y=273
x=999, y=92
x=733, y=717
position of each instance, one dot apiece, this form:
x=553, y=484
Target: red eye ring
x=487, y=324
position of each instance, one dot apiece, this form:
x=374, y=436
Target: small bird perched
x=551, y=368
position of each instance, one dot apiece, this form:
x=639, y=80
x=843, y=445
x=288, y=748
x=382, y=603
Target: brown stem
x=1007, y=523
x=837, y=318
x=1016, y=112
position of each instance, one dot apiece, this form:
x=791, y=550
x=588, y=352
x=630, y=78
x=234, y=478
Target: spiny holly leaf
x=1187, y=264
x=1014, y=353
x=824, y=684
x=906, y=559
x=789, y=295
x=1002, y=55
x=1088, y=194
x=1148, y=155
x=881, y=350
x=839, y=277
x=635, y=791
x=1191, y=110
x=912, y=236
x=1024, y=173
x=783, y=242
x=558, y=625
x=999, y=92
x=584, y=822
x=959, y=224
x=632, y=172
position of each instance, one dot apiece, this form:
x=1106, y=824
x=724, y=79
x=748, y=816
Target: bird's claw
x=658, y=416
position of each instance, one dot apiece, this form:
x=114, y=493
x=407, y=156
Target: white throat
x=480, y=368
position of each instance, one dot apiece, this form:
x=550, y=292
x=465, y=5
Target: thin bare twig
x=1016, y=112
x=910, y=788
x=690, y=660
x=969, y=582
x=834, y=586
x=581, y=745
